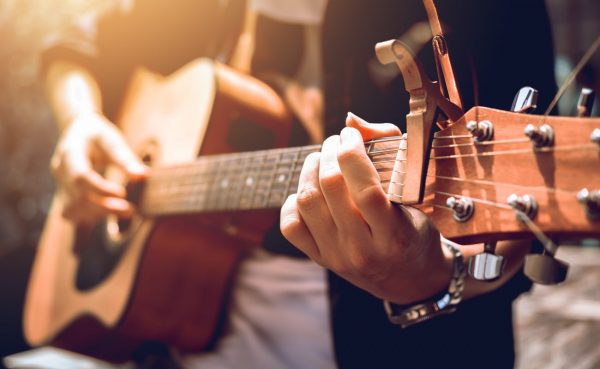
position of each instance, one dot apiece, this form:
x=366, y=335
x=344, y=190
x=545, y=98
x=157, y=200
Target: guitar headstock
x=548, y=167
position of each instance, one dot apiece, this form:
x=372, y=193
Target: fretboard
x=240, y=181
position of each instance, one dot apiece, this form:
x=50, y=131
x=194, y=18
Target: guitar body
x=161, y=279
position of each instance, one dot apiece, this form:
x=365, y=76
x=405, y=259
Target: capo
x=425, y=98
x=407, y=184
x=442, y=57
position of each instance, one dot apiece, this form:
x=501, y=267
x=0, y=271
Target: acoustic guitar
x=166, y=272
x=163, y=275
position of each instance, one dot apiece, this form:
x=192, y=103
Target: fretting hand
x=342, y=219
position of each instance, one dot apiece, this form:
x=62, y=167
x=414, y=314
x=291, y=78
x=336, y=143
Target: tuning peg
x=595, y=136
x=486, y=266
x=541, y=136
x=545, y=269
x=462, y=208
x=481, y=131
x=526, y=204
x=585, y=103
x=525, y=100
x=591, y=201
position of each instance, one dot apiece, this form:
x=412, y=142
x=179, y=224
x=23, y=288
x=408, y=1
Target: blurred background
x=28, y=135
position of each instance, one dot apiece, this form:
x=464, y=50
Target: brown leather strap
x=440, y=49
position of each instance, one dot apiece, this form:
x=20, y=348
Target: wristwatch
x=442, y=304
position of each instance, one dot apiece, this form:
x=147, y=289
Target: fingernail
x=347, y=134
x=136, y=169
x=357, y=118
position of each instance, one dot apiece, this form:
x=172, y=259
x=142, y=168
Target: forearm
x=72, y=91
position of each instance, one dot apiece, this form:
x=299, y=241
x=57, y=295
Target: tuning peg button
x=595, y=136
x=486, y=266
x=591, y=201
x=545, y=269
x=585, y=103
x=525, y=100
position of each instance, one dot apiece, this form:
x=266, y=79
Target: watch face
x=444, y=301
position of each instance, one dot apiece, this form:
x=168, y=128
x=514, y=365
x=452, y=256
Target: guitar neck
x=241, y=181
x=229, y=182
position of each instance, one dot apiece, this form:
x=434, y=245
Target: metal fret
x=211, y=176
x=291, y=174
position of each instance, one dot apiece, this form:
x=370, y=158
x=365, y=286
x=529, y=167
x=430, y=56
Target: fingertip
x=370, y=131
x=350, y=135
x=118, y=206
x=136, y=170
x=288, y=210
x=353, y=120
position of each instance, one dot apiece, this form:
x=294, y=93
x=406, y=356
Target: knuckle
x=55, y=164
x=311, y=161
x=308, y=197
x=80, y=179
x=348, y=155
x=372, y=194
x=332, y=181
x=363, y=263
x=291, y=227
x=313, y=156
x=72, y=212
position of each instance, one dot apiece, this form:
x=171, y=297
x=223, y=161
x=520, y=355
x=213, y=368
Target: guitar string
x=492, y=183
x=519, y=151
x=475, y=199
x=235, y=157
x=548, y=244
x=488, y=154
x=188, y=183
x=204, y=177
x=297, y=151
x=584, y=59
x=477, y=181
x=275, y=152
x=483, y=143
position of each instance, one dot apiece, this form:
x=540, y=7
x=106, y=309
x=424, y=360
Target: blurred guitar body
x=101, y=291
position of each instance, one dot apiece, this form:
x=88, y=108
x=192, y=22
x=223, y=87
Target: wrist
x=426, y=275
x=440, y=304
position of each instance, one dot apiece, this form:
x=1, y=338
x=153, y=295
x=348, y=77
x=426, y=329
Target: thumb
x=121, y=154
x=371, y=130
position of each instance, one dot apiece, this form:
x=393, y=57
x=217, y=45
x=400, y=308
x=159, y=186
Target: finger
x=362, y=180
x=117, y=150
x=370, y=131
x=311, y=203
x=91, y=208
x=294, y=229
x=335, y=191
x=113, y=205
x=80, y=210
x=79, y=174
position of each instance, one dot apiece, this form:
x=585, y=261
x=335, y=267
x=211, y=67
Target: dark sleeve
x=479, y=334
x=278, y=51
x=157, y=34
x=76, y=44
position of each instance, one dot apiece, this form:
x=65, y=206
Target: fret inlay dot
x=249, y=181
x=224, y=183
x=281, y=178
